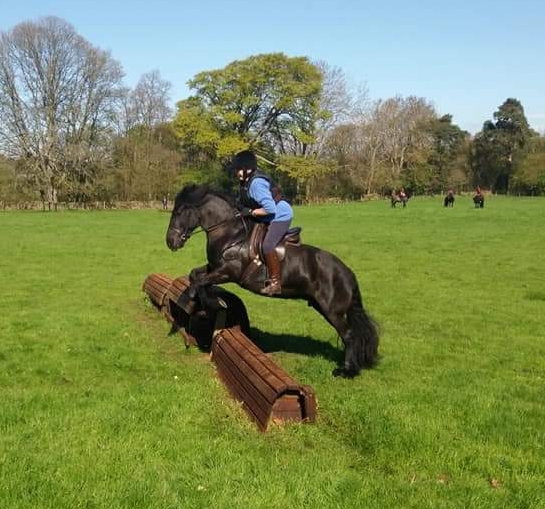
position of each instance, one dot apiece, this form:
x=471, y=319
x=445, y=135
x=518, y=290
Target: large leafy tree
x=58, y=95
x=500, y=147
x=266, y=101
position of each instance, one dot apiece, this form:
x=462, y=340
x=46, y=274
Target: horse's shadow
x=305, y=345
x=267, y=342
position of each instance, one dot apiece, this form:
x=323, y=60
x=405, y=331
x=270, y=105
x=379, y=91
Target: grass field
x=101, y=408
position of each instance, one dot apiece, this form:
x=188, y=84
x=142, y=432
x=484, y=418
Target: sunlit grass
x=101, y=407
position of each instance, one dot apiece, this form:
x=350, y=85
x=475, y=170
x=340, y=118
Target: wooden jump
x=267, y=393
x=195, y=324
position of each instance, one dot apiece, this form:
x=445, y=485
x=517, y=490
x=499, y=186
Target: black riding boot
x=273, y=269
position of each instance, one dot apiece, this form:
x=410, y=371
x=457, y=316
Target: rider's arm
x=260, y=212
x=260, y=191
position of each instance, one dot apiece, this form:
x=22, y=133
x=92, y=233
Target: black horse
x=308, y=273
x=478, y=201
x=398, y=198
x=449, y=200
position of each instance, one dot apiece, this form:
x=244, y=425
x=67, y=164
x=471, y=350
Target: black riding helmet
x=244, y=160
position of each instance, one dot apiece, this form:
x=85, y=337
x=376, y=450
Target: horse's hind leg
x=349, y=369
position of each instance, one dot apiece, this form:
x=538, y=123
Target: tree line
x=71, y=131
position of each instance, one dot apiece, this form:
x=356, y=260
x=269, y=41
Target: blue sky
x=465, y=57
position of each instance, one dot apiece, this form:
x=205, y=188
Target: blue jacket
x=259, y=192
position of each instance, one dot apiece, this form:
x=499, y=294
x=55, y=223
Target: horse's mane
x=194, y=195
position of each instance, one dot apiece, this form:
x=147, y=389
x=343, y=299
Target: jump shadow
x=305, y=345
x=198, y=327
x=270, y=343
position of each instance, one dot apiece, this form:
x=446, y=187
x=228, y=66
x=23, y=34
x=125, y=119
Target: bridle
x=185, y=235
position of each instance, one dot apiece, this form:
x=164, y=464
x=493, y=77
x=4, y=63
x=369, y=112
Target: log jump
x=267, y=393
x=195, y=323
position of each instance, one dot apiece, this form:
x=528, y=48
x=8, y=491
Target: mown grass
x=101, y=408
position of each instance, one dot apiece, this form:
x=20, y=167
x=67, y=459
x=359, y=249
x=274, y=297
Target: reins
x=213, y=227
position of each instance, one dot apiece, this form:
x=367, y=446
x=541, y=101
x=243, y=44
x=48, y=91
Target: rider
x=256, y=198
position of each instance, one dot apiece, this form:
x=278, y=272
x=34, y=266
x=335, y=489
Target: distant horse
x=449, y=200
x=399, y=198
x=308, y=273
x=478, y=201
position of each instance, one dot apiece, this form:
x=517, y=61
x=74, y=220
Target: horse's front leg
x=197, y=274
x=201, y=278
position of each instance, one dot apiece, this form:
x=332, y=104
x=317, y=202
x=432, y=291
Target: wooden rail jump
x=267, y=393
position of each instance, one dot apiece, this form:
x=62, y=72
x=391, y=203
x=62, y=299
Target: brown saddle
x=292, y=236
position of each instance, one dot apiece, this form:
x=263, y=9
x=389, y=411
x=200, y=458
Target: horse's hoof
x=345, y=372
x=271, y=289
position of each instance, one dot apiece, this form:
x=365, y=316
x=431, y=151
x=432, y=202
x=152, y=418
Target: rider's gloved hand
x=246, y=212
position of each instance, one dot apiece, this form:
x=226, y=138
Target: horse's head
x=185, y=216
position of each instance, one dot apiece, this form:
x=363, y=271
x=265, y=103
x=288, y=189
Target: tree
x=336, y=103
x=388, y=145
x=146, y=163
x=448, y=147
x=267, y=101
x=304, y=172
x=7, y=179
x=58, y=98
x=530, y=176
x=486, y=156
x=338, y=107
x=146, y=155
x=407, y=140
x=306, y=160
x=148, y=104
x=499, y=147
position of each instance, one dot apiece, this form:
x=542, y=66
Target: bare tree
x=144, y=153
x=148, y=104
x=58, y=98
x=336, y=100
x=151, y=98
x=339, y=105
x=391, y=136
x=383, y=141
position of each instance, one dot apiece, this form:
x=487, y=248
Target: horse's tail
x=363, y=331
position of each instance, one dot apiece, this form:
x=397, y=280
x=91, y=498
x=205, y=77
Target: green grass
x=101, y=408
